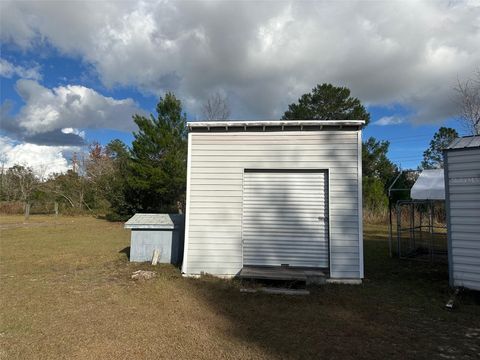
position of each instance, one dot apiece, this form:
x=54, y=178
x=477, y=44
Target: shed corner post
x=360, y=204
x=187, y=207
x=447, y=211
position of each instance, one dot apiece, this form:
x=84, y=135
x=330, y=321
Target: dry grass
x=67, y=294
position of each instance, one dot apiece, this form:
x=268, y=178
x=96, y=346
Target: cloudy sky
x=74, y=72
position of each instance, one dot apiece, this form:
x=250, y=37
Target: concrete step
x=276, y=291
x=309, y=276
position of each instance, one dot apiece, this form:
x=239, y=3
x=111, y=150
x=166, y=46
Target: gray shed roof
x=153, y=221
x=465, y=142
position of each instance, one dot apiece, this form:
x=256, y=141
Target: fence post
x=390, y=231
x=27, y=211
x=55, y=207
x=412, y=228
x=399, y=229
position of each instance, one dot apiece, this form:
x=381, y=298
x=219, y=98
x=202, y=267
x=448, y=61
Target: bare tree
x=469, y=98
x=216, y=107
x=23, y=180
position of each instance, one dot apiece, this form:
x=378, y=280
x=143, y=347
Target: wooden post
x=55, y=207
x=27, y=211
x=156, y=256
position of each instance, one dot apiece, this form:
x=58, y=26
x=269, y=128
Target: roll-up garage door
x=285, y=218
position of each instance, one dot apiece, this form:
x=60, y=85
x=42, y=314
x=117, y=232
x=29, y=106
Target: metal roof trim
x=271, y=123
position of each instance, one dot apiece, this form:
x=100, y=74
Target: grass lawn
x=66, y=293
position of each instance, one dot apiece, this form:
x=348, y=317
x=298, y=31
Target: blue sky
x=73, y=73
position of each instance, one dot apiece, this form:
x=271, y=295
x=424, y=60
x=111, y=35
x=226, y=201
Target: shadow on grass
x=126, y=251
x=398, y=312
x=320, y=325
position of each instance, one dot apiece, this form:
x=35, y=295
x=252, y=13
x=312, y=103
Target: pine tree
x=157, y=168
x=327, y=102
x=433, y=156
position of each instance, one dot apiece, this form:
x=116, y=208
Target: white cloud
x=389, y=120
x=74, y=131
x=264, y=55
x=69, y=108
x=9, y=70
x=44, y=160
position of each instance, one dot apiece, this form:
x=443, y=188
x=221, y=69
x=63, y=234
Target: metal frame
x=412, y=228
x=390, y=222
x=391, y=189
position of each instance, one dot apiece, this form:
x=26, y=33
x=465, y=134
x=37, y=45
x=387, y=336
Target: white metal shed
x=161, y=232
x=274, y=194
x=462, y=198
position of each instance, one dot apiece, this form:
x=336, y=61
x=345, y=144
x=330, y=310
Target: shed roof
x=153, y=221
x=430, y=185
x=465, y=142
x=272, y=124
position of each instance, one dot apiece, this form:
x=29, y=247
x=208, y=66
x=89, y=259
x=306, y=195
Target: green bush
x=374, y=198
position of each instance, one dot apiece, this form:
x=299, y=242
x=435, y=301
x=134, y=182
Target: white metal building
x=274, y=193
x=462, y=190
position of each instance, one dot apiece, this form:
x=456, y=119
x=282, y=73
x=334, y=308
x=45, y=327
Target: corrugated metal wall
x=215, y=192
x=285, y=218
x=463, y=211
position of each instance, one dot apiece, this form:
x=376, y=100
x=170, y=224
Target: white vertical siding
x=213, y=241
x=463, y=197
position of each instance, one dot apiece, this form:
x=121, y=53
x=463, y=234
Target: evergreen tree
x=158, y=165
x=378, y=172
x=327, y=102
x=433, y=156
x=375, y=162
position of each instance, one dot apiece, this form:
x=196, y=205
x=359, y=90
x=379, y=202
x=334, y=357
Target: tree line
x=150, y=175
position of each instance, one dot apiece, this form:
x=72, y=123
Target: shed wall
x=213, y=235
x=463, y=211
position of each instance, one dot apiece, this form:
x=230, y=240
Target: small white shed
x=274, y=194
x=462, y=190
x=161, y=232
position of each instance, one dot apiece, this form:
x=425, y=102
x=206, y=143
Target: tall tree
x=375, y=161
x=378, y=172
x=25, y=181
x=433, y=156
x=327, y=102
x=469, y=98
x=216, y=107
x=99, y=174
x=158, y=165
x=122, y=199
